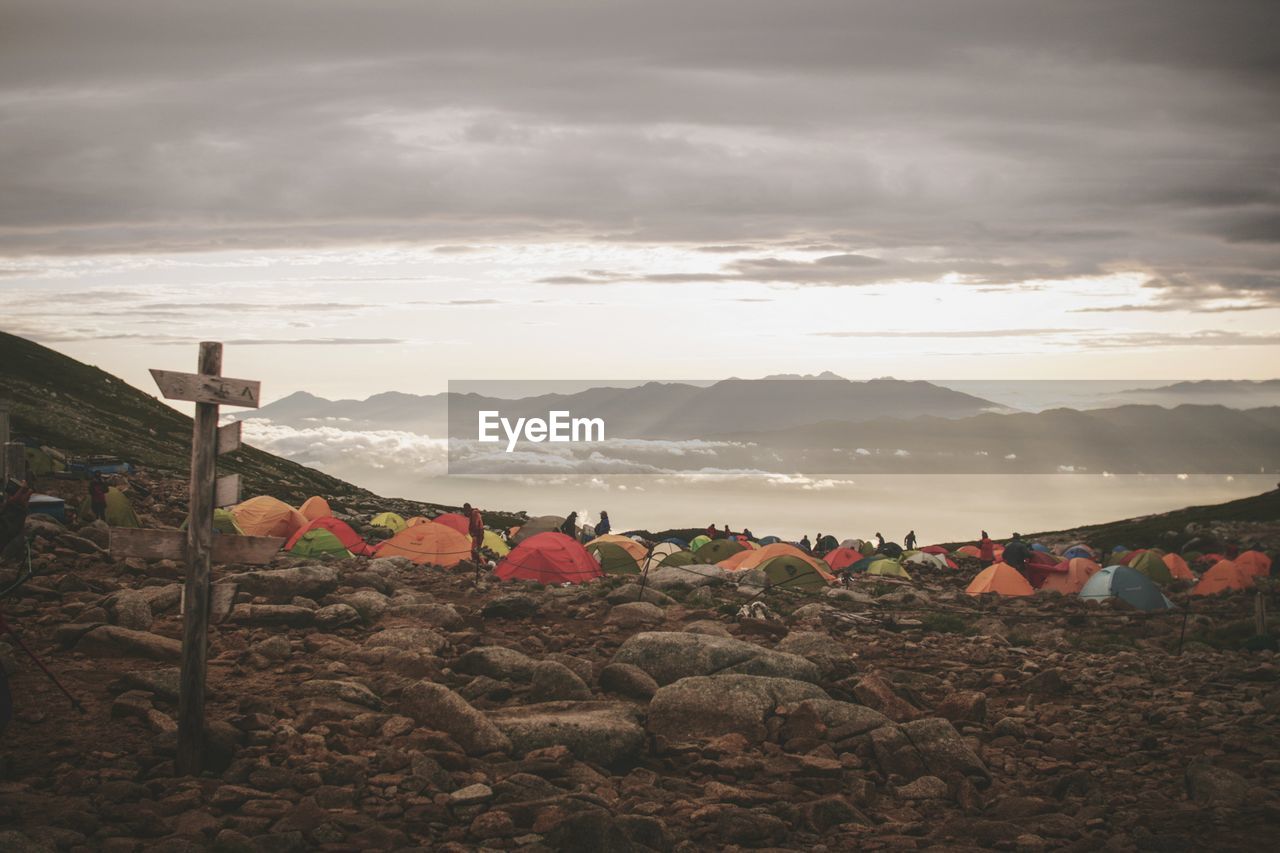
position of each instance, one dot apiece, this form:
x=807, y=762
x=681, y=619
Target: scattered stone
x=636, y=614
x=604, y=733
x=115, y=641
x=552, y=681
x=627, y=680
x=668, y=657
x=438, y=707
x=310, y=581
x=517, y=605
x=708, y=706
x=336, y=616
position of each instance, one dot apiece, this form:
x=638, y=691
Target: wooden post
x=1260, y=615
x=15, y=460
x=4, y=438
x=195, y=626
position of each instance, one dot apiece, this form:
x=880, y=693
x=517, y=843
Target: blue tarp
x=48, y=505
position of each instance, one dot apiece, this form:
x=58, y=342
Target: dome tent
x=456, y=520
x=119, y=511
x=637, y=551
x=548, y=558
x=339, y=529
x=389, y=520
x=882, y=566
x=268, y=516
x=1129, y=585
x=534, y=526
x=495, y=543
x=1254, y=563
x=715, y=550
x=698, y=541
x=1178, y=567
x=659, y=553
x=843, y=557
x=318, y=542
x=315, y=507
x=790, y=572
x=613, y=558
x=1151, y=563
x=1070, y=582
x=1000, y=578
x=427, y=544
x=1225, y=576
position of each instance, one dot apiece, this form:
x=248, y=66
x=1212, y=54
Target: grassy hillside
x=83, y=410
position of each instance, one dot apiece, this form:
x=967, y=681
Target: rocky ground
x=375, y=705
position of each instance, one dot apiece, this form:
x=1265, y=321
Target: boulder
x=437, y=707
x=702, y=707
x=605, y=733
x=874, y=692
x=115, y=641
x=668, y=657
x=1217, y=786
x=633, y=592
x=130, y=608
x=553, y=681
x=636, y=614
x=516, y=605
x=408, y=639
x=627, y=680
x=496, y=662
x=685, y=577
x=429, y=613
x=286, y=615
x=964, y=705
x=347, y=691
x=311, y=581
x=832, y=660
x=928, y=747
x=369, y=603
x=336, y=616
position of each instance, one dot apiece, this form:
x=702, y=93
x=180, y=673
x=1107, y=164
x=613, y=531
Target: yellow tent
x=495, y=543
x=637, y=551
x=389, y=520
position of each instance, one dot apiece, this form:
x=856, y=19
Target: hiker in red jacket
x=475, y=526
x=986, y=549
x=98, y=496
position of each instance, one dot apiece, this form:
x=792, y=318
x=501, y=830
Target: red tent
x=348, y=537
x=934, y=549
x=456, y=520
x=549, y=558
x=842, y=558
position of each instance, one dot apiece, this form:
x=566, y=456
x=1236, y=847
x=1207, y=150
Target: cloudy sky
x=367, y=196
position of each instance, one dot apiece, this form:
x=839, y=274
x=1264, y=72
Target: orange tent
x=417, y=519
x=427, y=544
x=549, y=558
x=1225, y=576
x=1079, y=570
x=1000, y=578
x=456, y=520
x=1178, y=567
x=842, y=558
x=969, y=551
x=1255, y=563
x=734, y=561
x=315, y=507
x=267, y=516
x=626, y=543
x=778, y=549
x=340, y=529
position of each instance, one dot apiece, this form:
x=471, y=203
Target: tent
x=55, y=508
x=495, y=543
x=1078, y=551
x=1129, y=585
x=969, y=551
x=548, y=558
x=769, y=540
x=1178, y=567
x=935, y=549
x=1070, y=582
x=659, y=552
x=716, y=550
x=843, y=557
x=318, y=542
x=1000, y=578
x=698, y=541
x=42, y=463
x=390, y=520
x=267, y=516
x=1255, y=563
x=1151, y=563
x=928, y=561
x=637, y=551
x=315, y=507
x=223, y=522
x=340, y=530
x=884, y=567
x=1041, y=547
x=675, y=540
x=534, y=526
x=756, y=557
x=825, y=544
x=427, y=544
x=1225, y=576
x=791, y=572
x=456, y=520
x=673, y=560
x=119, y=511
x=613, y=558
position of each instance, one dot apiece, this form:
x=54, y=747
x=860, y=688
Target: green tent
x=715, y=550
x=223, y=522
x=119, y=511
x=792, y=572
x=825, y=544
x=1151, y=563
x=41, y=463
x=886, y=568
x=613, y=559
x=698, y=541
x=319, y=543
x=676, y=559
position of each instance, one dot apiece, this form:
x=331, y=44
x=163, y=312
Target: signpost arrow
x=226, y=492
x=172, y=545
x=229, y=437
x=207, y=387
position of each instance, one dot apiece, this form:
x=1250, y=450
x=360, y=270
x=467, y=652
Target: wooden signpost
x=208, y=389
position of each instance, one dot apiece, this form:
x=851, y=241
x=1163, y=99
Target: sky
x=361, y=197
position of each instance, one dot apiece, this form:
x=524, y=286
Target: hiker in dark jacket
x=879, y=540
x=909, y=541
x=602, y=526
x=98, y=496
x=570, y=526
x=1016, y=553
x=804, y=544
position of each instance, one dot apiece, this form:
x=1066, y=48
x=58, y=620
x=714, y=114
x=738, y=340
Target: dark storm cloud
x=997, y=139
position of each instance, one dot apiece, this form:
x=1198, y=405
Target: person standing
x=909, y=540
x=570, y=526
x=805, y=544
x=98, y=496
x=602, y=526
x=1016, y=553
x=986, y=550
x=475, y=527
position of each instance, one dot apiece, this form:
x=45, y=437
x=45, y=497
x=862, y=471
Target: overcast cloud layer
x=993, y=140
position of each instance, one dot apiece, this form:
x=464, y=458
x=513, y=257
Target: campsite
x=371, y=688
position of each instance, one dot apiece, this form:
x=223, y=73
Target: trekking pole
x=8, y=629
x=1186, y=613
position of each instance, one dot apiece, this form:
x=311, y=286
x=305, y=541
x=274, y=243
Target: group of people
x=714, y=532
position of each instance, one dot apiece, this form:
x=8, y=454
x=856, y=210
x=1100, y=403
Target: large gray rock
x=685, y=577
x=627, y=680
x=408, y=639
x=428, y=613
x=636, y=614
x=634, y=592
x=437, y=707
x=129, y=608
x=928, y=747
x=115, y=641
x=554, y=681
x=287, y=615
x=496, y=662
x=335, y=616
x=710, y=706
x=347, y=691
x=605, y=733
x=669, y=657
x=834, y=662
x=311, y=581
x=369, y=603
x=1217, y=786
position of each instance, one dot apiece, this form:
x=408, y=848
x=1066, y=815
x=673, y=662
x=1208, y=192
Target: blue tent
x=769, y=540
x=684, y=546
x=1078, y=551
x=1043, y=549
x=1119, y=549
x=1129, y=585
x=48, y=505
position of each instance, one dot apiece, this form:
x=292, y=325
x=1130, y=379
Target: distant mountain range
x=655, y=410
x=1236, y=393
